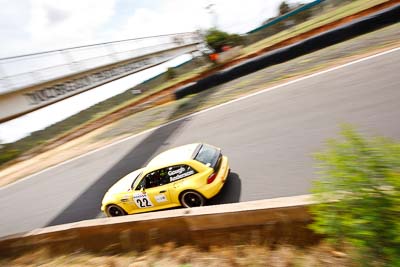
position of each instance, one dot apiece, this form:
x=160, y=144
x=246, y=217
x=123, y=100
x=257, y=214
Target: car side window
x=178, y=172
x=142, y=184
x=154, y=179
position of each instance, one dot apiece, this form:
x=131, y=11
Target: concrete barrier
x=257, y=222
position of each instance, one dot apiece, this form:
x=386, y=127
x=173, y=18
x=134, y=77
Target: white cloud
x=28, y=26
x=59, y=24
x=13, y=31
x=171, y=16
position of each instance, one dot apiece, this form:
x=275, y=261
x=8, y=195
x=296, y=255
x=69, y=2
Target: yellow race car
x=183, y=176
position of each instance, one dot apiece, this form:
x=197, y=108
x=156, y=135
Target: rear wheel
x=114, y=211
x=190, y=199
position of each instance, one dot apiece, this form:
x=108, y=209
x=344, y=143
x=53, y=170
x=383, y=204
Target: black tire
x=114, y=211
x=191, y=199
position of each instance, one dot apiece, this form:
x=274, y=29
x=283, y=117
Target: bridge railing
x=22, y=71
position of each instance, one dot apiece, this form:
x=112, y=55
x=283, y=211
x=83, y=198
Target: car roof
x=174, y=155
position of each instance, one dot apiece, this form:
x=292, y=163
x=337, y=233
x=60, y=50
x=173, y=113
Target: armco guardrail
x=320, y=41
x=256, y=222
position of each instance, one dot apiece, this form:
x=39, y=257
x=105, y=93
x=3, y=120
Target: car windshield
x=136, y=178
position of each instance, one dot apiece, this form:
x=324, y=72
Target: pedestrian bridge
x=36, y=80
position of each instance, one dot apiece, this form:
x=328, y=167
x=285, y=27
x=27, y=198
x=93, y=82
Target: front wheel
x=191, y=199
x=114, y=211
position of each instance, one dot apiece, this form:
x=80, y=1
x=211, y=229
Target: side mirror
x=142, y=189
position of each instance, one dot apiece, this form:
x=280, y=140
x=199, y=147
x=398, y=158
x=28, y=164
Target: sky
x=29, y=26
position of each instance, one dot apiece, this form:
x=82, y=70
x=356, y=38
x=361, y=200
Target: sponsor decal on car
x=178, y=171
x=161, y=198
x=180, y=176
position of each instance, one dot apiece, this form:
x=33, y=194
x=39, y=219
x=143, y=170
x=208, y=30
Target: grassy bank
x=318, y=21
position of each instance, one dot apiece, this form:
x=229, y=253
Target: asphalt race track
x=269, y=139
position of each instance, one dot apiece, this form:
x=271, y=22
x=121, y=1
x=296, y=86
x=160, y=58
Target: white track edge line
x=203, y=111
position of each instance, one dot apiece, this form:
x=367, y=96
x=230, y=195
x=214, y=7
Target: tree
x=359, y=197
x=303, y=15
x=217, y=39
x=284, y=8
x=171, y=73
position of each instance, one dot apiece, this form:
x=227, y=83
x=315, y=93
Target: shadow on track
x=87, y=205
x=230, y=193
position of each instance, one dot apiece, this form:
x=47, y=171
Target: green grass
x=331, y=16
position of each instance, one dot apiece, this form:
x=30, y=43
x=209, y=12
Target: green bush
x=171, y=74
x=359, y=197
x=217, y=39
x=8, y=154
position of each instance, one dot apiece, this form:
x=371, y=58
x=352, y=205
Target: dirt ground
x=169, y=255
x=365, y=45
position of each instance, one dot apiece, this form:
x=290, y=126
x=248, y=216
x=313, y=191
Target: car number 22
x=142, y=200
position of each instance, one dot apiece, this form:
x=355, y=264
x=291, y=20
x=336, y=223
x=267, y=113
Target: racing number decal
x=142, y=200
x=143, y=203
